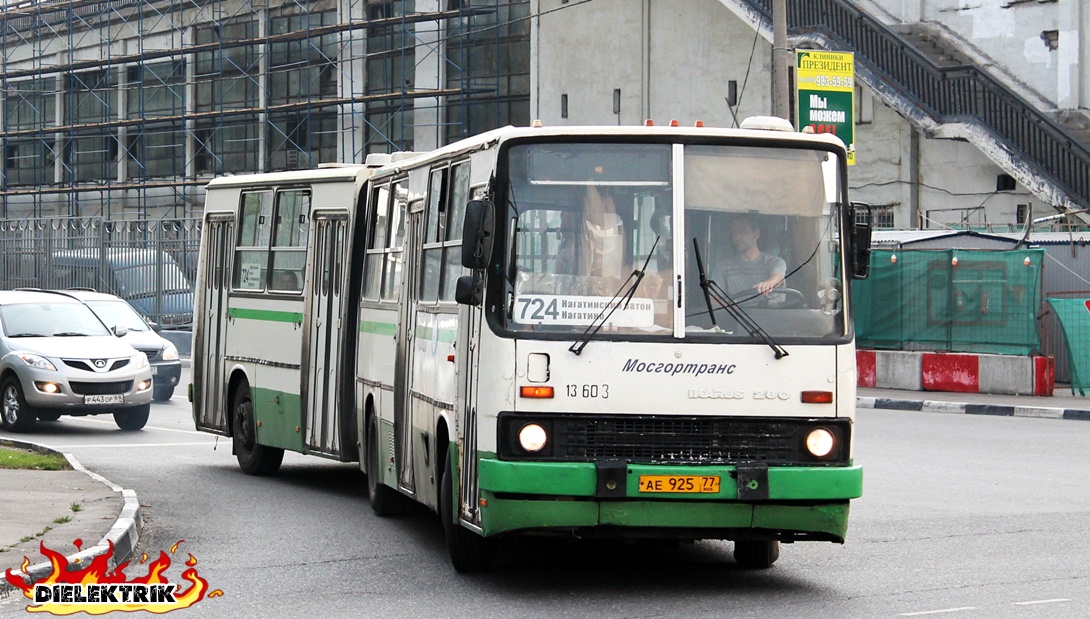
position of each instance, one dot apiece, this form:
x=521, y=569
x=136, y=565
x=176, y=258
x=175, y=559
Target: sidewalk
x=1062, y=405
x=36, y=505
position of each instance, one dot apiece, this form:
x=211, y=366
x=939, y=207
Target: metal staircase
x=946, y=95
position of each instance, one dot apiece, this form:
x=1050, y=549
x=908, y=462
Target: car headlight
x=141, y=360
x=170, y=352
x=37, y=362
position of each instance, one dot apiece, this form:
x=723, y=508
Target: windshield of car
x=583, y=218
x=115, y=313
x=48, y=319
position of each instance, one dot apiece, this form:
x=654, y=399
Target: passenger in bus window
x=748, y=270
x=286, y=280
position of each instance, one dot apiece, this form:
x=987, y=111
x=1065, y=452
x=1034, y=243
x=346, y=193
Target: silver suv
x=57, y=358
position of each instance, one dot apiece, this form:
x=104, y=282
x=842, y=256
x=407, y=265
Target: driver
x=747, y=268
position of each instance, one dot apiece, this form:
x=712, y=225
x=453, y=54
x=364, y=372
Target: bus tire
x=253, y=458
x=756, y=554
x=469, y=552
x=385, y=501
x=133, y=419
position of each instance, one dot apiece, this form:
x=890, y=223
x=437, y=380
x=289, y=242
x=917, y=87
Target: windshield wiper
x=603, y=317
x=28, y=334
x=713, y=291
x=69, y=334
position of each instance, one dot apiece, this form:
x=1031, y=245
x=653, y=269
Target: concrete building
x=125, y=108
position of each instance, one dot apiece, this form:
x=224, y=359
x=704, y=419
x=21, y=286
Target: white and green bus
x=539, y=331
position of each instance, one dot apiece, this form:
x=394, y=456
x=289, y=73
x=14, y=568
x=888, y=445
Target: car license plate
x=697, y=484
x=112, y=398
x=154, y=370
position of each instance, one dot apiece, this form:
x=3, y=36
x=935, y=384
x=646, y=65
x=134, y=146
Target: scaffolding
x=124, y=109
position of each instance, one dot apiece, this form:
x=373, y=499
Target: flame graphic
x=98, y=572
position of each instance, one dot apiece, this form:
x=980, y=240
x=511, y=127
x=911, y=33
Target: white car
x=57, y=358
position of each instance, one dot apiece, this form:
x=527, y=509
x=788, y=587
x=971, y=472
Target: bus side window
x=377, y=234
x=290, y=240
x=452, y=231
x=432, y=262
x=252, y=250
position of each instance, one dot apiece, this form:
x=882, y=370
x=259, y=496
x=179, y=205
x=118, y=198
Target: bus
x=533, y=332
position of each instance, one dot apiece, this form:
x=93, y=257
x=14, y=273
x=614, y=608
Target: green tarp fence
x=1074, y=315
x=954, y=300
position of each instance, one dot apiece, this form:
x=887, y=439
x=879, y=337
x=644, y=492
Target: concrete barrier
x=956, y=372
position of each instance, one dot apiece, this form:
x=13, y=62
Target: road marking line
x=937, y=612
x=65, y=447
x=111, y=423
x=1042, y=602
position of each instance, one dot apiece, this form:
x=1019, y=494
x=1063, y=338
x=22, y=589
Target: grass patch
x=62, y=520
x=25, y=459
x=75, y=507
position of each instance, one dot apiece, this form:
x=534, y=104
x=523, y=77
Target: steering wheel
x=791, y=299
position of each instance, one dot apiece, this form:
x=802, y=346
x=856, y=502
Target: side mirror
x=469, y=290
x=477, y=230
x=156, y=327
x=860, y=220
x=120, y=330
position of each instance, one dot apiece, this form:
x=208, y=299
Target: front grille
x=152, y=355
x=82, y=388
x=86, y=365
x=689, y=440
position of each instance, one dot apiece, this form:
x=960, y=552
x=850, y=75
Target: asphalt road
x=962, y=516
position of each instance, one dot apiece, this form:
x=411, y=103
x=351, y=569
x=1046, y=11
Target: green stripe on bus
x=266, y=315
x=445, y=336
x=378, y=328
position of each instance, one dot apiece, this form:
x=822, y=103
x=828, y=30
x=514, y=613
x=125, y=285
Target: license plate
x=696, y=484
x=154, y=370
x=112, y=398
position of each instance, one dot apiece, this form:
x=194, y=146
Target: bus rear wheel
x=468, y=551
x=253, y=459
x=755, y=554
x=385, y=501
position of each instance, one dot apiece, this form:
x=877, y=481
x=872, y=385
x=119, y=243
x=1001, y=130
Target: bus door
x=210, y=392
x=469, y=367
x=322, y=355
x=406, y=327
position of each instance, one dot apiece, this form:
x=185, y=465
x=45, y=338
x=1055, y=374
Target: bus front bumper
x=795, y=502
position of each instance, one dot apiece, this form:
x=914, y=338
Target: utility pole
x=781, y=83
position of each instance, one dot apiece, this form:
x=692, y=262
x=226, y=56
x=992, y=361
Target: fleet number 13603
x=587, y=391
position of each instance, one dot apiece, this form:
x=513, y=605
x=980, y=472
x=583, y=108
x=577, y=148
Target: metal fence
x=149, y=263
x=947, y=93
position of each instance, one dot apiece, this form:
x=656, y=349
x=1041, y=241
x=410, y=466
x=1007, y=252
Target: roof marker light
x=537, y=123
x=698, y=123
x=648, y=123
x=673, y=122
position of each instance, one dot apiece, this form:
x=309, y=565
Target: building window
x=489, y=54
x=391, y=68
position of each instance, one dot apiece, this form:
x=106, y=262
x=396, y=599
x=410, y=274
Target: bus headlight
x=820, y=442
x=532, y=437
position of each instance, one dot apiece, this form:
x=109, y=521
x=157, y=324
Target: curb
x=124, y=534
x=969, y=408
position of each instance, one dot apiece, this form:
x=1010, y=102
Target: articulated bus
x=537, y=331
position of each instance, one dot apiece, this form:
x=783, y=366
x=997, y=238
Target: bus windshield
x=585, y=216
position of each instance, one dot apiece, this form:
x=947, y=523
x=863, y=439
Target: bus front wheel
x=469, y=552
x=253, y=459
x=755, y=554
x=385, y=501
